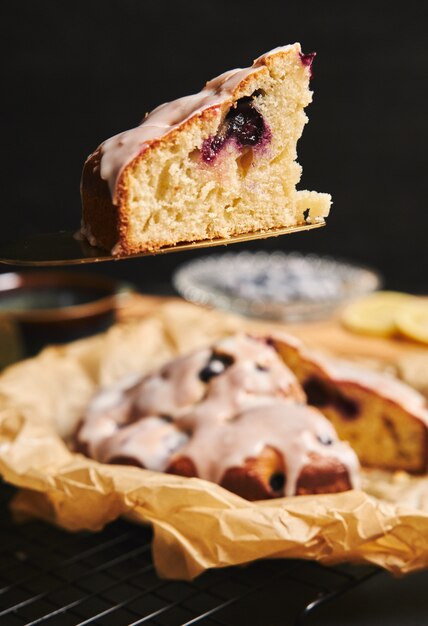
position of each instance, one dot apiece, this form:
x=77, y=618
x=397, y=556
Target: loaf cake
x=232, y=414
x=384, y=420
x=215, y=164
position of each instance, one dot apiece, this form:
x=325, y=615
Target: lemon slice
x=412, y=321
x=375, y=314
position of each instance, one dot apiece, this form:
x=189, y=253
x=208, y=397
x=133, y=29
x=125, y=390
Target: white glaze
x=119, y=150
x=293, y=430
x=174, y=388
x=150, y=442
x=230, y=418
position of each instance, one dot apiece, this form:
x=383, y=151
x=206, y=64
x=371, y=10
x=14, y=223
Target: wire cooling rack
x=51, y=577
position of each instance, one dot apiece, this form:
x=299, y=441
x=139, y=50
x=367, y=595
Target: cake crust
x=385, y=420
x=100, y=215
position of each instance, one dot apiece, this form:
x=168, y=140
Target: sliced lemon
x=412, y=320
x=375, y=314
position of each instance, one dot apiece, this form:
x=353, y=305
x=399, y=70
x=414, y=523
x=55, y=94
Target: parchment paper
x=197, y=525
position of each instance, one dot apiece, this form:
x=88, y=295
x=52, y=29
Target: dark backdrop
x=76, y=72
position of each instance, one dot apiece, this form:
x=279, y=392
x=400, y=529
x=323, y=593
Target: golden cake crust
x=385, y=420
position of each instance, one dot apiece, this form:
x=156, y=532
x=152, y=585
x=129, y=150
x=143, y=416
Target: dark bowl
x=51, y=307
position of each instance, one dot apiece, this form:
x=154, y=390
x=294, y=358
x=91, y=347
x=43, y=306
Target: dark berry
x=307, y=60
x=349, y=408
x=320, y=395
x=212, y=146
x=277, y=481
x=215, y=366
x=245, y=123
x=325, y=440
x=317, y=392
x=262, y=368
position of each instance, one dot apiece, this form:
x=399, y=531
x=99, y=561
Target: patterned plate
x=277, y=286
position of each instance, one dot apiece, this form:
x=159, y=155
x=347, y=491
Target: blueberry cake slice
x=215, y=164
x=233, y=414
x=384, y=420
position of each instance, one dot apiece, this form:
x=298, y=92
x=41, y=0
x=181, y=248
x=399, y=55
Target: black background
x=75, y=73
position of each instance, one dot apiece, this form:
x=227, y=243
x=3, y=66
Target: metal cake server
x=64, y=248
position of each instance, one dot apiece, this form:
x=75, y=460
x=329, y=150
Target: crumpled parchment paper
x=197, y=525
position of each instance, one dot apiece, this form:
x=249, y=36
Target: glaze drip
x=245, y=400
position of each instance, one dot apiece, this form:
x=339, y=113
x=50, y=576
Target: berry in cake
x=243, y=125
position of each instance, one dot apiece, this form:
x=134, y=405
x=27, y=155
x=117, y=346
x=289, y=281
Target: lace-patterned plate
x=279, y=286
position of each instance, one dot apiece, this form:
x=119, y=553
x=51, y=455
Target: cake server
x=64, y=248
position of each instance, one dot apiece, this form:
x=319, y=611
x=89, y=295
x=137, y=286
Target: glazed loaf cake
x=215, y=164
x=233, y=414
x=384, y=420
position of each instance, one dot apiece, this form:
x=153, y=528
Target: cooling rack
x=51, y=577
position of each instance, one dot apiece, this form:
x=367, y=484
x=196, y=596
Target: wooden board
x=327, y=335
x=332, y=336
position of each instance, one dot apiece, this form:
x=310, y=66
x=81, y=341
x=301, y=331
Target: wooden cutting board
x=327, y=335
x=405, y=359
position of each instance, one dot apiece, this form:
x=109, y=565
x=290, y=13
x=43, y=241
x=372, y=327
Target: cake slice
x=384, y=420
x=215, y=164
